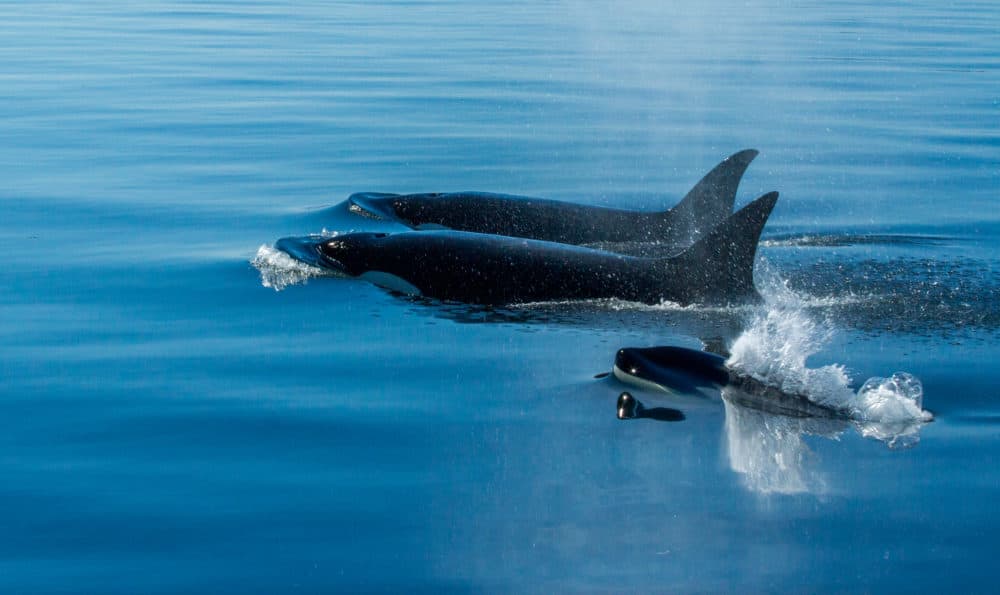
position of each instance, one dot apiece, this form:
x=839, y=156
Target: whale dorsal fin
x=711, y=200
x=719, y=266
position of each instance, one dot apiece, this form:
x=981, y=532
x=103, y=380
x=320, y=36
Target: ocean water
x=170, y=422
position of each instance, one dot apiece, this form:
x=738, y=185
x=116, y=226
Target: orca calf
x=688, y=371
x=704, y=207
x=493, y=269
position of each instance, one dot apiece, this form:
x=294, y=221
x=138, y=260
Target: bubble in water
x=898, y=398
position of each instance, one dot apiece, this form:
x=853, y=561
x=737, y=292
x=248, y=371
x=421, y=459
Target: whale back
x=707, y=205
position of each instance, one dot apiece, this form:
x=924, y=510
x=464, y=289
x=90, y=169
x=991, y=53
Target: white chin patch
x=636, y=381
x=390, y=282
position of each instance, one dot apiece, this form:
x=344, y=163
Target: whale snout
x=309, y=250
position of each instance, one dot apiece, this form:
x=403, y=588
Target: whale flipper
x=719, y=266
x=711, y=200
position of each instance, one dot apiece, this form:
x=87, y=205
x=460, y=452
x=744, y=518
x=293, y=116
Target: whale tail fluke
x=719, y=267
x=711, y=200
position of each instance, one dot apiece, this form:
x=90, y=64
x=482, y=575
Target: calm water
x=169, y=424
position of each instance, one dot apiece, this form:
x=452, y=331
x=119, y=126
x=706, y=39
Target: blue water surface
x=169, y=424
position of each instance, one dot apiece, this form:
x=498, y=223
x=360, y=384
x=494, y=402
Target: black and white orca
x=708, y=204
x=494, y=269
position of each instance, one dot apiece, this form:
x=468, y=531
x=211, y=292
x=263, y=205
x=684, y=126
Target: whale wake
x=775, y=348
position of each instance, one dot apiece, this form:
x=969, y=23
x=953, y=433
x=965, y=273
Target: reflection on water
x=770, y=452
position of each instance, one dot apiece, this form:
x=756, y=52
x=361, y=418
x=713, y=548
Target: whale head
x=418, y=211
x=360, y=255
x=413, y=210
x=670, y=369
x=347, y=254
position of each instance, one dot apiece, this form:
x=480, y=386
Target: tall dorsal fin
x=711, y=200
x=719, y=267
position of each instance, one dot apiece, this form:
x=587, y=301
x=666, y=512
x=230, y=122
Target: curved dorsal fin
x=719, y=266
x=711, y=200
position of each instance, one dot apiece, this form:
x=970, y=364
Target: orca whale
x=493, y=270
x=689, y=371
x=704, y=207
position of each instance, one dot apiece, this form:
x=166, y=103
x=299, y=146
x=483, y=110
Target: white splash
x=278, y=270
x=890, y=409
x=898, y=398
x=775, y=347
